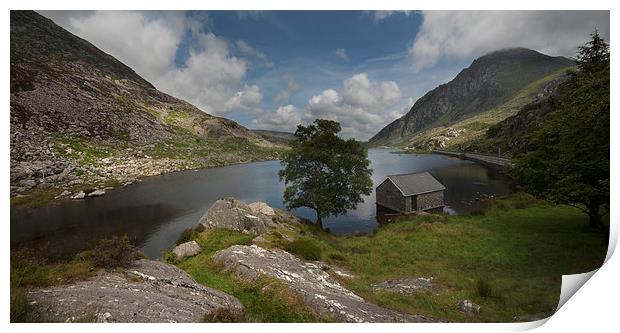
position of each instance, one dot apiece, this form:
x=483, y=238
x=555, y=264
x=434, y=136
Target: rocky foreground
x=150, y=291
x=320, y=291
x=153, y=291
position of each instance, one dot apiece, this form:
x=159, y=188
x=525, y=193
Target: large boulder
x=230, y=213
x=150, y=291
x=187, y=249
x=261, y=208
x=321, y=292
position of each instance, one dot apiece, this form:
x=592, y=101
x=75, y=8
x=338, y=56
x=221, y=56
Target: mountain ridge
x=488, y=82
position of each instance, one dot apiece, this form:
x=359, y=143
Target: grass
x=32, y=270
x=305, y=248
x=509, y=259
x=265, y=300
x=189, y=147
x=82, y=150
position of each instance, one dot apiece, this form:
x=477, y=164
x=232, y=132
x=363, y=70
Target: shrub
x=200, y=228
x=186, y=236
x=115, y=252
x=169, y=258
x=305, y=248
x=224, y=315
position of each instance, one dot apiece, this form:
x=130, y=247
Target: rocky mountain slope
x=82, y=119
x=514, y=134
x=489, y=82
x=461, y=135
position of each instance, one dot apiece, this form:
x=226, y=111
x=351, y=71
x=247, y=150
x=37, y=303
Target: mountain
x=488, y=82
x=515, y=134
x=80, y=118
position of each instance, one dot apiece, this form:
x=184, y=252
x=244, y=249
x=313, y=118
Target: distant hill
x=79, y=118
x=489, y=82
x=275, y=135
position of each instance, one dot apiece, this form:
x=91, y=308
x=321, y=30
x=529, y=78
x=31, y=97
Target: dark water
x=154, y=212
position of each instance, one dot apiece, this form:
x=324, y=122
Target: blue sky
x=276, y=69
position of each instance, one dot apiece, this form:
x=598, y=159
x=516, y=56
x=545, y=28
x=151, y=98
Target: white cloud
x=286, y=118
x=291, y=86
x=362, y=106
x=380, y=15
x=467, y=34
x=342, y=54
x=211, y=77
x=249, y=51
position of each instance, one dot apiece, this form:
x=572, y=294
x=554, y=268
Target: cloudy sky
x=276, y=69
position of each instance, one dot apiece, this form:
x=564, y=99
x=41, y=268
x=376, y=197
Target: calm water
x=154, y=212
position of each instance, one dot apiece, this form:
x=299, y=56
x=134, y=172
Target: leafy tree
x=324, y=172
x=569, y=159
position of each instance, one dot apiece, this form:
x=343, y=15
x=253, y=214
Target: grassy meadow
x=509, y=259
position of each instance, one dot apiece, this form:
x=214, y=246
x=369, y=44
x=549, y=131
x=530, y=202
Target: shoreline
x=37, y=198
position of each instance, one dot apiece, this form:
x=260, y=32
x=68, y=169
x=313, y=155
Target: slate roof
x=416, y=183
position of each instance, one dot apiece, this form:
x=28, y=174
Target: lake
x=154, y=212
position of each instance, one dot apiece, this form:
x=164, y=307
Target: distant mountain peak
x=489, y=81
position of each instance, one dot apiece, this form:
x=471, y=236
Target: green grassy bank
x=509, y=259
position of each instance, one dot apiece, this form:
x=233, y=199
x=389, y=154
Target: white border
x=593, y=307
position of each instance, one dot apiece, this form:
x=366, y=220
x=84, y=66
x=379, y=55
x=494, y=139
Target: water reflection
x=154, y=212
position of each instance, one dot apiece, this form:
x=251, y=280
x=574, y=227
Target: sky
x=277, y=69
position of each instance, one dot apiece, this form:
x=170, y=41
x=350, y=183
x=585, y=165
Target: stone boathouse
x=408, y=193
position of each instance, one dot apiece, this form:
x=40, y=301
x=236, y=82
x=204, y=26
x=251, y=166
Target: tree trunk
x=596, y=220
x=319, y=221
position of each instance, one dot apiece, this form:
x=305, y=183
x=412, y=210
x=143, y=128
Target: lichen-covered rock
x=320, y=291
x=469, y=308
x=407, y=286
x=258, y=208
x=230, y=213
x=150, y=291
x=187, y=249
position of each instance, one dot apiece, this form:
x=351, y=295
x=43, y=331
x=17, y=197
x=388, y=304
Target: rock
x=407, y=286
x=97, y=193
x=261, y=208
x=230, y=213
x=322, y=293
x=150, y=291
x=259, y=240
x=187, y=249
x=469, y=308
x=79, y=195
x=28, y=183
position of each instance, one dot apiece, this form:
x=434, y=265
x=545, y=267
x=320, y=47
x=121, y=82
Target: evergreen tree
x=569, y=159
